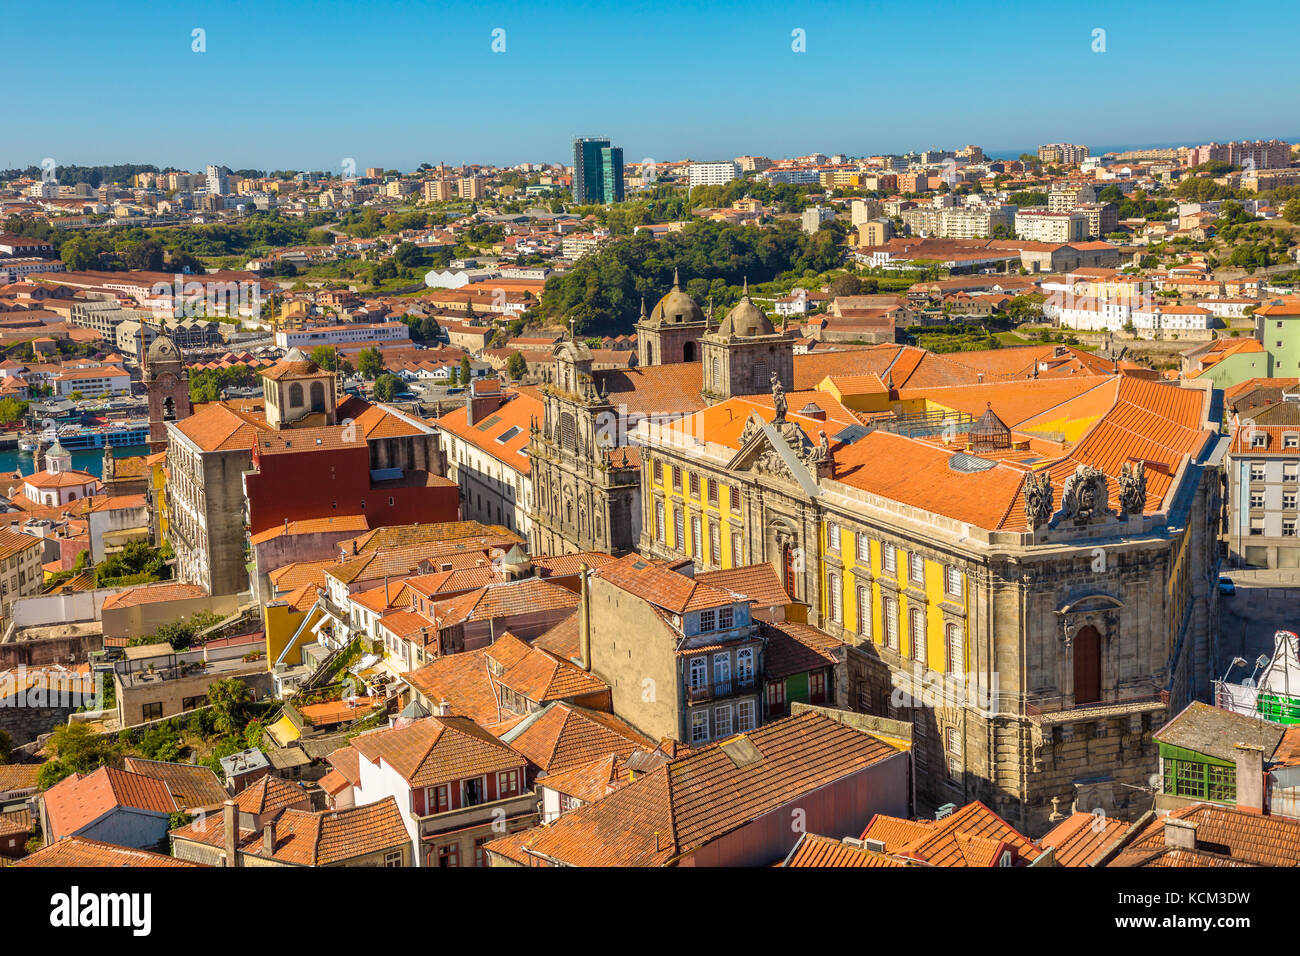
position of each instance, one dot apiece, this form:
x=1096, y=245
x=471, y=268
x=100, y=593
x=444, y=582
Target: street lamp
x=1236, y=662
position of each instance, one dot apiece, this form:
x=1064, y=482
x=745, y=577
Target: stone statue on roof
x=1085, y=495
x=1038, y=499
x=1133, y=488
x=778, y=400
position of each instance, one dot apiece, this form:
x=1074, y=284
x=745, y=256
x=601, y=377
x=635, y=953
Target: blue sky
x=302, y=85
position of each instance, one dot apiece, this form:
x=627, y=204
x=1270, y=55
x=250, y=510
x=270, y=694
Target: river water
x=90, y=459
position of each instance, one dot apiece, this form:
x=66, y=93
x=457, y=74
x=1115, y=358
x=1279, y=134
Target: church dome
x=676, y=308
x=746, y=319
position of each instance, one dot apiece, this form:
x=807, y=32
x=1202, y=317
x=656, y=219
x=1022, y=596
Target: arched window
x=169, y=409
x=295, y=395
x=318, y=396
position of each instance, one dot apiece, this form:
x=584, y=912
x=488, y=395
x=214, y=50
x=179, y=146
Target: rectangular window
x=1289, y=500
x=715, y=544
x=449, y=855
x=507, y=783
x=916, y=568
x=817, y=687
x=734, y=497
x=660, y=530
x=151, y=711
x=393, y=858
x=699, y=726
x=834, y=598
x=864, y=549
x=832, y=537
x=864, y=611
x=1256, y=499
x=956, y=649
x=917, y=634
x=697, y=544
x=889, y=557
x=737, y=549
x=726, y=617
x=745, y=716
x=891, y=624
x=480, y=854
x=679, y=530
x=1288, y=527
x=658, y=470
x=1256, y=526
x=776, y=698
x=713, y=492
x=708, y=621
x=952, y=582
x=722, y=721
x=677, y=478
x=695, y=485
x=1290, y=471
x=1256, y=471
x=953, y=742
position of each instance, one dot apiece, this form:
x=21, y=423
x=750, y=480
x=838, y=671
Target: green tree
x=13, y=410
x=387, y=386
x=6, y=746
x=326, y=357
x=79, y=254
x=229, y=699
x=370, y=362
x=516, y=366
x=1291, y=211
x=464, y=370
x=76, y=749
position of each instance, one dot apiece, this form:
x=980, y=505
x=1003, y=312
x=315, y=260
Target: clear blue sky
x=301, y=85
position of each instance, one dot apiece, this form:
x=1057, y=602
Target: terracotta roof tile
x=79, y=852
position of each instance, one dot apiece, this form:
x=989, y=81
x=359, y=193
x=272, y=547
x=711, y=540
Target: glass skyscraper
x=597, y=171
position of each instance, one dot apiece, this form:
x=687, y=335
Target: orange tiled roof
x=1082, y=838
x=79, y=852
x=662, y=587
x=191, y=785
x=814, y=850
x=562, y=737
x=1225, y=836
x=437, y=750
x=78, y=800
x=691, y=801
x=758, y=582
x=971, y=836
x=154, y=594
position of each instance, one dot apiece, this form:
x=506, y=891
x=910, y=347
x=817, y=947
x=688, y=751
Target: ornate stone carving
x=1038, y=499
x=1133, y=488
x=1084, y=495
x=752, y=428
x=771, y=463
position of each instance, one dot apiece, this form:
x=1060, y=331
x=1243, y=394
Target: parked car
x=1226, y=586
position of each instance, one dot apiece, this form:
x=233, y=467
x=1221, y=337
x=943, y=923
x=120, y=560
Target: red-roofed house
x=115, y=806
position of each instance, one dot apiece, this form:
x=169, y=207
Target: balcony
x=695, y=693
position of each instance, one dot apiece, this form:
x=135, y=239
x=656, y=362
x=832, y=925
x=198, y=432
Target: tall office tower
x=597, y=171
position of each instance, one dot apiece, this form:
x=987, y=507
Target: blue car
x=1226, y=586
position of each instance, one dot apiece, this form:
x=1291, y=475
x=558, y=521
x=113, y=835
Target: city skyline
x=731, y=73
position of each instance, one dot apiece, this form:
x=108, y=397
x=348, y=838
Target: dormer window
x=708, y=620
x=1259, y=440
x=726, y=617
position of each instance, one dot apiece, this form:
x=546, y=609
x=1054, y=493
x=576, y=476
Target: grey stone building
x=586, y=481
x=1262, y=467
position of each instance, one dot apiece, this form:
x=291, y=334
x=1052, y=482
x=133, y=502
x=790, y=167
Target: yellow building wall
x=720, y=513
x=935, y=639
x=282, y=622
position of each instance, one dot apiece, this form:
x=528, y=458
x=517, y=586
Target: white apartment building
x=1065, y=197
x=1227, y=307
x=1087, y=314
x=864, y=210
x=1041, y=225
x=814, y=216
x=1171, y=318
x=307, y=339
x=712, y=174
x=959, y=222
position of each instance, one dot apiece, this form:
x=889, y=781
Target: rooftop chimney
x=268, y=838
x=230, y=830
x=1250, y=778
x=584, y=612
x=1180, y=834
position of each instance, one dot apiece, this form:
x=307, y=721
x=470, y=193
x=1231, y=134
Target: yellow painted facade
x=867, y=574
x=282, y=621
x=680, y=497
